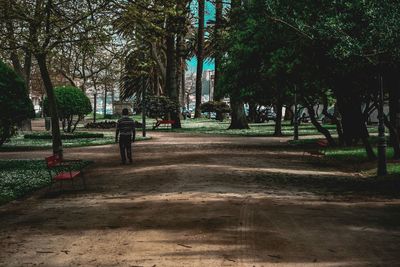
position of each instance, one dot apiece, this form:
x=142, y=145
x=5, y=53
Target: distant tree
x=15, y=105
x=159, y=30
x=72, y=105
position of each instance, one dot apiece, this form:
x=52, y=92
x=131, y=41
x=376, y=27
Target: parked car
x=187, y=113
x=267, y=115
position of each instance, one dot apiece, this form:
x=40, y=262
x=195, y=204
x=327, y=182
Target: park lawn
x=394, y=169
x=355, y=154
x=19, y=143
x=352, y=154
x=213, y=127
x=21, y=177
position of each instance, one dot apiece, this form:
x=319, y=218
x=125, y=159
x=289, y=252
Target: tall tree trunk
x=319, y=127
x=105, y=103
x=339, y=127
x=55, y=126
x=183, y=85
x=394, y=139
x=95, y=105
x=180, y=73
x=335, y=118
x=238, y=114
x=394, y=118
x=252, y=112
x=200, y=57
x=112, y=99
x=278, y=120
x=238, y=120
x=353, y=121
x=367, y=144
x=218, y=52
x=171, y=83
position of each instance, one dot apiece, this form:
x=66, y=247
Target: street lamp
x=211, y=86
x=94, y=106
x=296, y=120
x=143, y=107
x=382, y=163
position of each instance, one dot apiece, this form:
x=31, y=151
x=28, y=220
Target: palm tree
x=200, y=57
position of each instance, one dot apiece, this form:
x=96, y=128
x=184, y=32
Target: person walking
x=126, y=134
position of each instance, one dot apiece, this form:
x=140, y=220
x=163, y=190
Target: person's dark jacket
x=125, y=129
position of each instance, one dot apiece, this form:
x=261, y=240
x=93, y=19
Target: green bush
x=15, y=105
x=215, y=106
x=160, y=107
x=71, y=103
x=47, y=136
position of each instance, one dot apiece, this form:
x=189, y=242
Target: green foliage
x=71, y=101
x=161, y=107
x=101, y=125
x=274, y=45
x=15, y=105
x=394, y=169
x=215, y=106
x=20, y=177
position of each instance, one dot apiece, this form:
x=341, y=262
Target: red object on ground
x=55, y=161
x=161, y=122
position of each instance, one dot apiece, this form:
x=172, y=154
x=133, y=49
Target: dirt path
x=197, y=201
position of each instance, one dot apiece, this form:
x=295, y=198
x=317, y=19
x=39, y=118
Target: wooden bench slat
x=66, y=172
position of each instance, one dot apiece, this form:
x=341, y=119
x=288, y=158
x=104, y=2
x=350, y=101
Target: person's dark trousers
x=125, y=147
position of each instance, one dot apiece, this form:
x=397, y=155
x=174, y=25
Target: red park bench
x=158, y=123
x=64, y=170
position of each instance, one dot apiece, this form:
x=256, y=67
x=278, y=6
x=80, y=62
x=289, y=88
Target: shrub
x=71, y=103
x=107, y=125
x=160, y=107
x=101, y=125
x=47, y=136
x=215, y=106
x=15, y=105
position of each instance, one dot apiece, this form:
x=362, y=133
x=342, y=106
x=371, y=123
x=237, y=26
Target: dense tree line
x=333, y=52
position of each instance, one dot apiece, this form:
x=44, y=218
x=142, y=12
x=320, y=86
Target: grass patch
x=64, y=136
x=21, y=177
x=212, y=127
x=394, y=169
x=19, y=143
x=352, y=154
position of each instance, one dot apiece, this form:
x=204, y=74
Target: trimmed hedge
x=47, y=136
x=15, y=105
x=101, y=125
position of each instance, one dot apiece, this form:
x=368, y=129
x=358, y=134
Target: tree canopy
x=71, y=102
x=15, y=105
